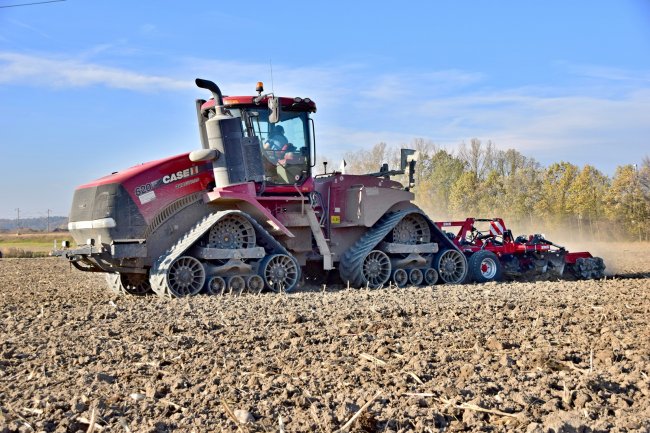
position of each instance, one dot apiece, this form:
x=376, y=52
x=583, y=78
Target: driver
x=276, y=140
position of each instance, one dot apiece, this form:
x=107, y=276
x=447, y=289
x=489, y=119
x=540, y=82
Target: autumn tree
x=366, y=161
x=491, y=196
x=554, y=193
x=626, y=203
x=479, y=158
x=586, y=199
x=440, y=171
x=464, y=196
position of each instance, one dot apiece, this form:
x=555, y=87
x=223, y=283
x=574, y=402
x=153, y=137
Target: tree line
x=480, y=180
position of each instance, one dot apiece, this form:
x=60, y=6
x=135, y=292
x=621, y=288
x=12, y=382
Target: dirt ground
x=531, y=357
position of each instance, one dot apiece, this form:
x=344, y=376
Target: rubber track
x=350, y=266
x=158, y=272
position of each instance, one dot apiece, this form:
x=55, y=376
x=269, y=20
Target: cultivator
x=494, y=253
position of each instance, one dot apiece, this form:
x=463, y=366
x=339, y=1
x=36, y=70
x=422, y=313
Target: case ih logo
x=181, y=174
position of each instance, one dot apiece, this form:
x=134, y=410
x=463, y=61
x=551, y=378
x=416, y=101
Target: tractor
x=494, y=254
x=247, y=213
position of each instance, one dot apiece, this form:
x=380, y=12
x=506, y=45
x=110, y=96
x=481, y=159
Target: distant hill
x=37, y=224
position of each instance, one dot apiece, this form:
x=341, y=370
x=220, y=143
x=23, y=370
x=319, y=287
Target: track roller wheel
x=452, y=266
x=185, y=276
x=416, y=276
x=132, y=284
x=236, y=285
x=430, y=276
x=216, y=286
x=400, y=277
x=485, y=266
x=280, y=272
x=255, y=284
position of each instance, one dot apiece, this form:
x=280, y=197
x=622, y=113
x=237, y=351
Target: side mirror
x=407, y=155
x=274, y=107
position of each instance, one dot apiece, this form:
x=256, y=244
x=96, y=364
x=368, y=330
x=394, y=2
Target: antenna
x=271, y=66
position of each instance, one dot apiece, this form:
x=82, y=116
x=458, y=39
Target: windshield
x=285, y=145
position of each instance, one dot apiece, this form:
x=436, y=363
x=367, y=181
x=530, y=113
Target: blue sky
x=88, y=87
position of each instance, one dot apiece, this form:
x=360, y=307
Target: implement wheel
x=485, y=266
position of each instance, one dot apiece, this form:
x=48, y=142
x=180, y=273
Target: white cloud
x=393, y=87
x=58, y=73
x=608, y=73
x=358, y=109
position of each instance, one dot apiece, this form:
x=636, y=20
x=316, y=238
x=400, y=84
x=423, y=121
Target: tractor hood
x=123, y=204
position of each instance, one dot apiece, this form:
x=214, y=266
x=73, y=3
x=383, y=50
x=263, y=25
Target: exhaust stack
x=214, y=131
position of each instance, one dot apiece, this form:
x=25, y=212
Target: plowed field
x=533, y=357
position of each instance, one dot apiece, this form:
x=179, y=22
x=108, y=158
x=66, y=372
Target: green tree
x=586, y=199
x=626, y=203
x=464, y=196
x=554, y=198
x=440, y=171
x=491, y=195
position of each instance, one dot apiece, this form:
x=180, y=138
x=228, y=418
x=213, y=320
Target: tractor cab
x=264, y=138
x=285, y=144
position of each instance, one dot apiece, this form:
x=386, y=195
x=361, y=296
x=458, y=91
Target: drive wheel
x=413, y=229
x=232, y=232
x=452, y=266
x=185, y=276
x=280, y=273
x=485, y=266
x=376, y=269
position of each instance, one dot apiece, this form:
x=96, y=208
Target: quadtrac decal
x=146, y=192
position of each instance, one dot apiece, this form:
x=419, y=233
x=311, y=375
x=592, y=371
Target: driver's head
x=279, y=129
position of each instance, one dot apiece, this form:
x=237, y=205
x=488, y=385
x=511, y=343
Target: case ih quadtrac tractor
x=246, y=213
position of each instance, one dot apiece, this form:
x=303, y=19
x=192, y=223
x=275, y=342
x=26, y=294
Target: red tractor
x=246, y=213
x=493, y=253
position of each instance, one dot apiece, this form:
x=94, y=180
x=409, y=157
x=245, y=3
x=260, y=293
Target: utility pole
x=48, y=220
x=18, y=220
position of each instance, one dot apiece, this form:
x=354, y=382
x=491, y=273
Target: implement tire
x=484, y=266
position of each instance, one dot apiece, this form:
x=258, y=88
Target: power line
x=31, y=4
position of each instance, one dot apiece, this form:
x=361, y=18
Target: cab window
x=285, y=145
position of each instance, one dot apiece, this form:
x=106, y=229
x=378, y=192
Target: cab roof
x=287, y=104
